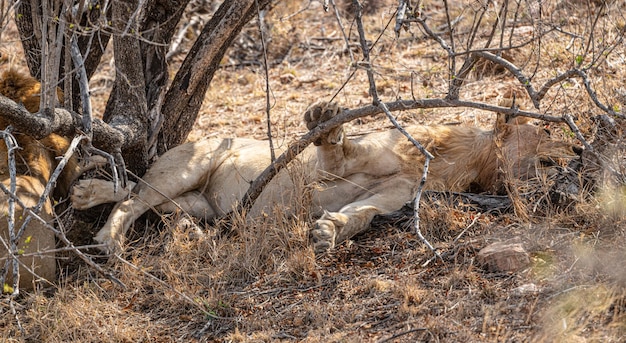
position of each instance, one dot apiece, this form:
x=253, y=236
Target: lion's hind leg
x=320, y=112
x=331, y=147
x=126, y=212
x=335, y=227
x=178, y=171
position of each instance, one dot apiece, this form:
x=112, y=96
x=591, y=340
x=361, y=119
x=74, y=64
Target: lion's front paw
x=92, y=192
x=322, y=236
x=321, y=112
x=82, y=195
x=112, y=243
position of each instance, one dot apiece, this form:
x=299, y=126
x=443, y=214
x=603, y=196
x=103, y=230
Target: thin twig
x=13, y=261
x=570, y=122
x=180, y=36
x=343, y=31
x=446, y=253
x=44, y=197
x=513, y=69
x=456, y=239
x=268, y=106
x=14, y=313
x=64, y=249
x=114, y=167
x=83, y=82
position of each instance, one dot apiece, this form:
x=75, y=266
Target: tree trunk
x=127, y=108
x=157, y=24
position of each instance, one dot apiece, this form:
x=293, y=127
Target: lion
x=35, y=161
x=350, y=179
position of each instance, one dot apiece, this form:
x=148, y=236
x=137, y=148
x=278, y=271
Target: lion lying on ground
x=350, y=180
x=35, y=162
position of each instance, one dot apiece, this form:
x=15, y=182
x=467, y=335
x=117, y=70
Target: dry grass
x=188, y=282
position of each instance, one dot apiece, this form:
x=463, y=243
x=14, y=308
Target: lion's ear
x=518, y=120
x=503, y=121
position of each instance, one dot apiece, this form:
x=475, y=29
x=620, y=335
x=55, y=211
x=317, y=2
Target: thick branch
x=29, y=26
x=517, y=72
x=185, y=96
x=63, y=122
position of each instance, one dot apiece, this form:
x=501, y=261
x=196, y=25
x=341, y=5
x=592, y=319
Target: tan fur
x=351, y=180
x=35, y=162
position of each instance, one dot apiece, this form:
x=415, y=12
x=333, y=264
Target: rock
x=528, y=288
x=503, y=257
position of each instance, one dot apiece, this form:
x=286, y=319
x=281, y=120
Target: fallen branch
x=482, y=203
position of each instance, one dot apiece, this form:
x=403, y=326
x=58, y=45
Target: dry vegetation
x=263, y=283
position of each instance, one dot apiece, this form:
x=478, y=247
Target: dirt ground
x=264, y=284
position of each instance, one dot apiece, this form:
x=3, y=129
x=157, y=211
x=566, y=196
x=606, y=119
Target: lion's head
x=528, y=151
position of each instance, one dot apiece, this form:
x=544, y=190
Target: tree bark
x=91, y=46
x=127, y=107
x=64, y=123
x=158, y=25
x=29, y=28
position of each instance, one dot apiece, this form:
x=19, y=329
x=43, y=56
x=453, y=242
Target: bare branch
x=268, y=105
x=63, y=122
x=436, y=37
x=513, y=69
x=400, y=16
x=83, y=82
x=11, y=144
x=343, y=31
x=535, y=96
x=570, y=122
